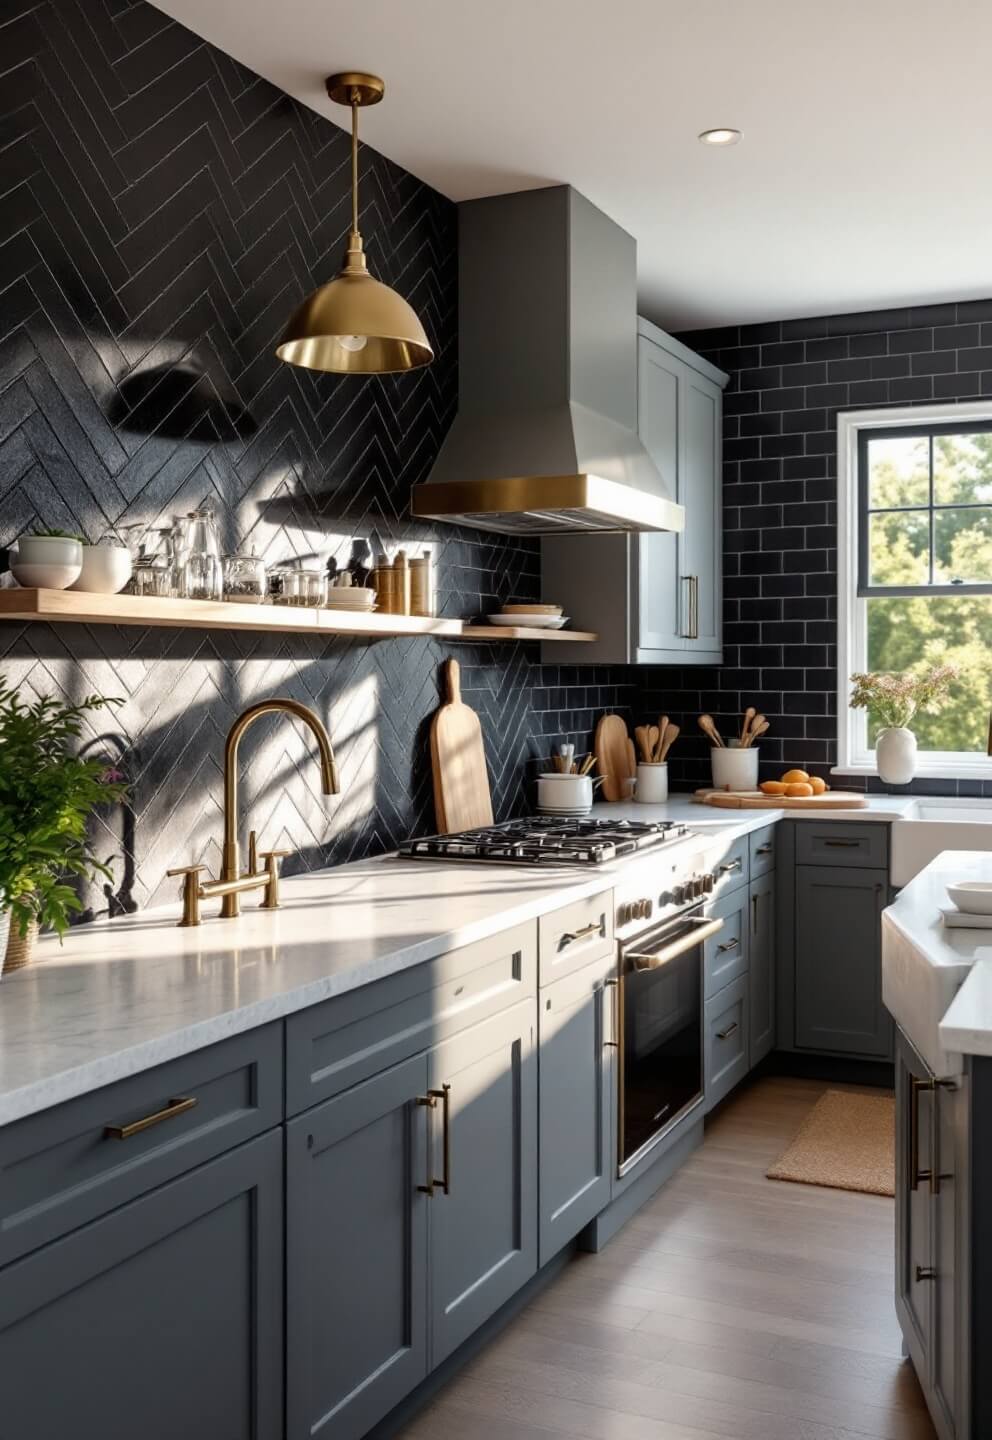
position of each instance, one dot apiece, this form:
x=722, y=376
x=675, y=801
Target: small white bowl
x=106, y=569
x=972, y=897
x=44, y=577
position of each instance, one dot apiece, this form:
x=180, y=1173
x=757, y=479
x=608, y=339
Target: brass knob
x=272, y=858
x=190, y=893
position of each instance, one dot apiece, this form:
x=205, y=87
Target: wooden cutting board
x=757, y=800
x=615, y=758
x=458, y=760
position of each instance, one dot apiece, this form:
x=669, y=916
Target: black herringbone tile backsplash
x=164, y=211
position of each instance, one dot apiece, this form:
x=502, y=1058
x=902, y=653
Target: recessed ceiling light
x=720, y=137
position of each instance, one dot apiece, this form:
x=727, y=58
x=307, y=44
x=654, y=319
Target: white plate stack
x=350, y=597
x=972, y=905
x=528, y=615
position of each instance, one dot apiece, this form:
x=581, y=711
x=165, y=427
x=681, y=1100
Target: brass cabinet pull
x=731, y=866
x=754, y=914
x=175, y=1107
x=691, y=624
x=925, y=1272
x=729, y=944
x=612, y=982
x=595, y=927
x=765, y=849
x=726, y=1034
x=915, y=1173
x=935, y=1173
x=430, y=1101
x=842, y=844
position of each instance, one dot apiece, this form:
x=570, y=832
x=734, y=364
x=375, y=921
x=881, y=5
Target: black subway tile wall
x=788, y=381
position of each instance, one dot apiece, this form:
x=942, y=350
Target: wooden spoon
x=749, y=715
x=642, y=735
x=757, y=729
x=708, y=726
x=659, y=746
x=672, y=733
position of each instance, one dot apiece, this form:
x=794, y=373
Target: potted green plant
x=892, y=701
x=47, y=793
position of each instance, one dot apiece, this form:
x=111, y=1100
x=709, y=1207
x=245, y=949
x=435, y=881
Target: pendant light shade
x=355, y=325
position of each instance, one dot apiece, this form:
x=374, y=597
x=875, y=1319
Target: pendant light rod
x=355, y=102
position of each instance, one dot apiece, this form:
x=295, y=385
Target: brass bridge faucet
x=233, y=882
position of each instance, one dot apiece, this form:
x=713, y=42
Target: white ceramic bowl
x=527, y=622
x=44, y=577
x=46, y=562
x=106, y=569
x=973, y=897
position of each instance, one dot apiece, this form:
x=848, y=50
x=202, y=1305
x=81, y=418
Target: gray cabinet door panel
x=356, y=1255
x=761, y=968
x=725, y=953
x=838, y=960
x=725, y=1041
x=659, y=417
x=762, y=851
x=834, y=843
x=699, y=491
x=576, y=1024
x=914, y=1254
x=483, y=1232
x=65, y=1167
x=950, y=1227
x=161, y=1320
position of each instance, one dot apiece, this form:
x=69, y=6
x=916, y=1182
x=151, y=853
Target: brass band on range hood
x=546, y=505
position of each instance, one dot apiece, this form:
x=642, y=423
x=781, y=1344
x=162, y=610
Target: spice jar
x=421, y=585
x=401, y=584
x=245, y=579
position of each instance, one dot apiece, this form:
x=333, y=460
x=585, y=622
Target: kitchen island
x=937, y=983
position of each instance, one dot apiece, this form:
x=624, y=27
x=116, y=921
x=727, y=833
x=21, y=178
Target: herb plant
x=47, y=793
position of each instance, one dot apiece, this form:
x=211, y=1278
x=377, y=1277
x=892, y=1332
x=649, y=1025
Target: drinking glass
x=203, y=570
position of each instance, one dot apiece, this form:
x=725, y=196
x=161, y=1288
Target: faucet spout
x=231, y=864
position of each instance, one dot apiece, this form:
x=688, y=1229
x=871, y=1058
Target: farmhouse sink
x=936, y=824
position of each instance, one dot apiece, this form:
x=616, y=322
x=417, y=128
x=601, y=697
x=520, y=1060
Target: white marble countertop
x=120, y=996
x=936, y=982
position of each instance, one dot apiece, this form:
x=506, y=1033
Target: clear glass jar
x=245, y=579
x=203, y=569
x=293, y=586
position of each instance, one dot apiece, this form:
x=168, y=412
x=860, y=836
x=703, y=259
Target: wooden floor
x=730, y=1306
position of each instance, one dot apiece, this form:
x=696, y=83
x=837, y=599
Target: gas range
x=549, y=840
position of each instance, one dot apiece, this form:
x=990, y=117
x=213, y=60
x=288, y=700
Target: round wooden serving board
x=757, y=800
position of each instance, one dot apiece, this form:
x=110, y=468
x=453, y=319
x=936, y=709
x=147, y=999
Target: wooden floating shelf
x=63, y=606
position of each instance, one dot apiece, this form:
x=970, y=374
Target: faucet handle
x=190, y=893
x=272, y=858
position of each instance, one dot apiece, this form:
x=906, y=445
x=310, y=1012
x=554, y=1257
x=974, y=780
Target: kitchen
x=472, y=1132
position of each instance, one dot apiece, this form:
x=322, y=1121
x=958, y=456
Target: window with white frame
x=915, y=573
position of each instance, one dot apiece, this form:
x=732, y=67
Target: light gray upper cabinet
x=356, y=1254
x=161, y=1319
x=655, y=598
x=577, y=1026
x=483, y=1214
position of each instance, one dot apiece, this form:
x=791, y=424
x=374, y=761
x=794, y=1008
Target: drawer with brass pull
x=574, y=936
x=725, y=953
x=834, y=843
x=68, y=1165
x=762, y=845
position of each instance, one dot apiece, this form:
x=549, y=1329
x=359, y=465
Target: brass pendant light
x=355, y=325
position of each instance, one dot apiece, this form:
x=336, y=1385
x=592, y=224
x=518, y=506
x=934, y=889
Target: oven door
x=661, y=1032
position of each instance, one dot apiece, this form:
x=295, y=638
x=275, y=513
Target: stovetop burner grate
x=547, y=840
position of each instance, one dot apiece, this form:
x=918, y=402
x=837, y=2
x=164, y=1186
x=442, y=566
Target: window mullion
x=931, y=511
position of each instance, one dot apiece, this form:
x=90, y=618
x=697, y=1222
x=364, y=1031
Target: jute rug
x=847, y=1142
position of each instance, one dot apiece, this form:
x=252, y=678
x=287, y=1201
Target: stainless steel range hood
x=545, y=439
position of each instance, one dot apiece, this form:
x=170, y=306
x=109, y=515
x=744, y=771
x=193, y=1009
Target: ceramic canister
x=564, y=792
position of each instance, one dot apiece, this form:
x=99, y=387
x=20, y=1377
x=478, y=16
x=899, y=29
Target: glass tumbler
x=204, y=573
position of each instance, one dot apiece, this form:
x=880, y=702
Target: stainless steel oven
x=660, y=1031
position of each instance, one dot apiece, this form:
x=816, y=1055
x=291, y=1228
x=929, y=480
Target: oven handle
x=695, y=931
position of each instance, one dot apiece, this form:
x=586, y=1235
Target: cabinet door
x=725, y=1040
x=659, y=417
x=700, y=555
x=483, y=1222
x=162, y=1319
x=839, y=962
x=914, y=1253
x=577, y=1025
x=761, y=968
x=356, y=1247
x=948, y=1346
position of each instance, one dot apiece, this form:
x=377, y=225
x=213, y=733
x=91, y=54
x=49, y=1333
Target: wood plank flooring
x=730, y=1306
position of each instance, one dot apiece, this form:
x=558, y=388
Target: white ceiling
x=862, y=180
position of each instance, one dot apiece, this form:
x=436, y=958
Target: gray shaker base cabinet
x=161, y=1320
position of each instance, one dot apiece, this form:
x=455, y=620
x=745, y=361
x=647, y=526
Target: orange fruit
x=795, y=777
x=819, y=786
x=772, y=787
x=798, y=788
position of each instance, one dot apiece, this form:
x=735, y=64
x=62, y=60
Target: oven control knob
x=699, y=886
x=644, y=908
x=679, y=895
x=709, y=881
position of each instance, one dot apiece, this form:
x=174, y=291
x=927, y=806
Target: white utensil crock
x=651, y=785
x=895, y=755
x=733, y=768
x=564, y=792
